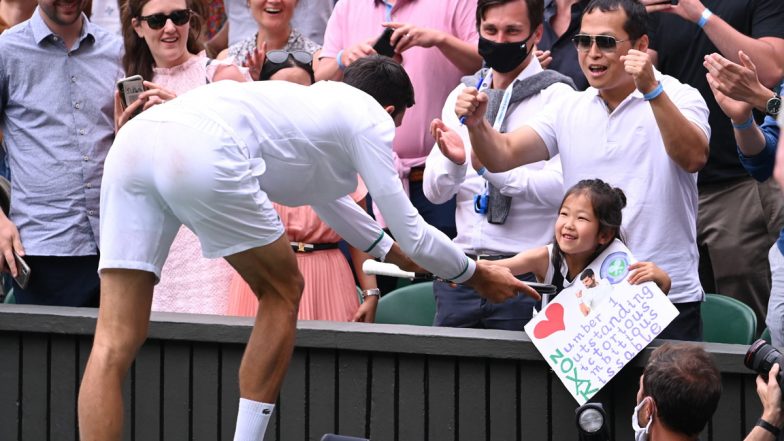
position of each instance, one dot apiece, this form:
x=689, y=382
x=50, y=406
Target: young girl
x=589, y=220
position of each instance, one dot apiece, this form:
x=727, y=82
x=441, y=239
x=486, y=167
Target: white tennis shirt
x=307, y=144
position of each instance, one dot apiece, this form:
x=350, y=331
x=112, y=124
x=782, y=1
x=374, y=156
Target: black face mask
x=503, y=57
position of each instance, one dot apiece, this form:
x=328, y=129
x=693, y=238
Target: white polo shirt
x=625, y=149
x=307, y=144
x=536, y=189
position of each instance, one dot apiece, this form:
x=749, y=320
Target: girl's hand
x=648, y=272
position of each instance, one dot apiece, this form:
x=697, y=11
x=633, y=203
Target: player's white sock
x=252, y=419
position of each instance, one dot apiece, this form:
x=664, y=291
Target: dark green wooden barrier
x=386, y=382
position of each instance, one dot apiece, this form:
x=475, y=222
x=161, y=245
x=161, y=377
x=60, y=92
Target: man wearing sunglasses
x=637, y=129
x=213, y=159
x=57, y=79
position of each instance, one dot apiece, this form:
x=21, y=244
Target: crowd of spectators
x=675, y=104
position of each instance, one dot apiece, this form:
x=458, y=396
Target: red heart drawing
x=553, y=324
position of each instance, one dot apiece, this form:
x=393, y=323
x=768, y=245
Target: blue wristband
x=481, y=171
x=341, y=66
x=744, y=125
x=654, y=93
x=706, y=14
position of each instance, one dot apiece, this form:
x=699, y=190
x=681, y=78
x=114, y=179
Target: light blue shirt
x=56, y=109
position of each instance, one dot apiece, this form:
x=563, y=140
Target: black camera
x=761, y=356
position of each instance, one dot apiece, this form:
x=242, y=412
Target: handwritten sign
x=594, y=327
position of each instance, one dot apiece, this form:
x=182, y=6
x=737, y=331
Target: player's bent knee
x=117, y=350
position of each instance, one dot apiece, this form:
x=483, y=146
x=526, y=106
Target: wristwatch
x=773, y=106
x=372, y=292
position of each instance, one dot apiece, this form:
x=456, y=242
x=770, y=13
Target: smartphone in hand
x=130, y=88
x=22, y=271
x=383, y=45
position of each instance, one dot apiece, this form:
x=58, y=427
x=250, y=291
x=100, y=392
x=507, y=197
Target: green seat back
x=727, y=320
x=410, y=305
x=765, y=335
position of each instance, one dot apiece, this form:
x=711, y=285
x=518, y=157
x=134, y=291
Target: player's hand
x=472, y=104
x=448, y=141
x=497, y=284
x=367, y=310
x=689, y=10
x=638, y=65
x=407, y=35
x=10, y=241
x=544, y=57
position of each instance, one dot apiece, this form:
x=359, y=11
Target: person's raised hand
x=357, y=51
x=638, y=64
x=408, y=35
x=254, y=61
x=737, y=111
x=689, y=10
x=544, y=57
x=737, y=81
x=448, y=141
x=472, y=105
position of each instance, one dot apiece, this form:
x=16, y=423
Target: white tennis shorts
x=160, y=175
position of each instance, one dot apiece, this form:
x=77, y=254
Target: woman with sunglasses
x=161, y=45
x=275, y=33
x=330, y=293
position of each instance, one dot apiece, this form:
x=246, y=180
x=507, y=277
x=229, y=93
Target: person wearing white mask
x=679, y=391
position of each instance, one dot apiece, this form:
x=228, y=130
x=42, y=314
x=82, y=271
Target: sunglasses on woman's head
x=158, y=21
x=280, y=57
x=605, y=43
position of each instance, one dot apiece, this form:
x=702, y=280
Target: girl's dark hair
x=269, y=69
x=138, y=59
x=607, y=202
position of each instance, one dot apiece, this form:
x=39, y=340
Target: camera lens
x=761, y=357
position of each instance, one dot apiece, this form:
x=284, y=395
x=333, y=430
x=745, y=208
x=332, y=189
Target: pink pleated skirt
x=330, y=293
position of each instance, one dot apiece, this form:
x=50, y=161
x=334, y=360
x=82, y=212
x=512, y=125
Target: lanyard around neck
x=499, y=117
